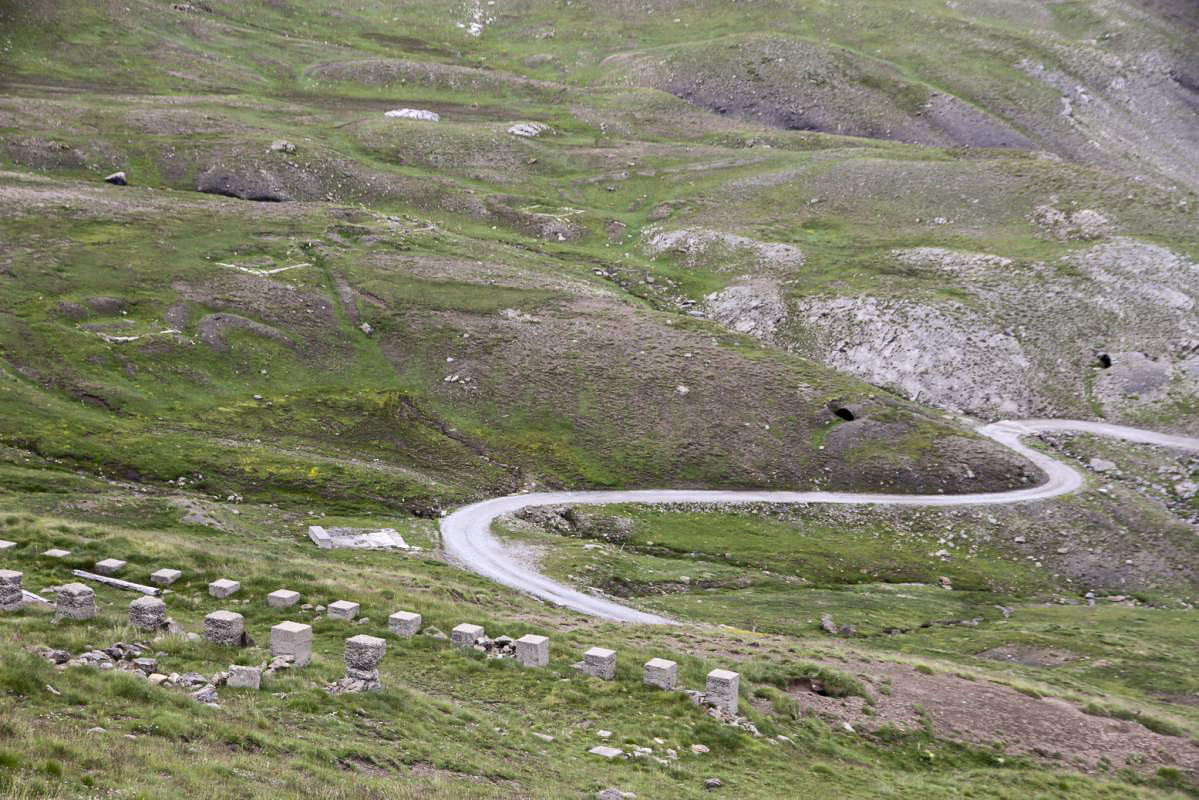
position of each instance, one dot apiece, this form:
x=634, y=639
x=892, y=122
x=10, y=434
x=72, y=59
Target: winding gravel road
x=466, y=534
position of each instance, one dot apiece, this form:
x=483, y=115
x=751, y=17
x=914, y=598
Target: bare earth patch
x=987, y=714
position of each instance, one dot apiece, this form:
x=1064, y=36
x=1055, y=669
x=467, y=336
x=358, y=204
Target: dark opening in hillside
x=1104, y=360
x=844, y=413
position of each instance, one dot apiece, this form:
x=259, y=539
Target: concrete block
x=363, y=656
x=662, y=673
x=343, y=609
x=7, y=545
x=54, y=552
x=723, y=690
x=532, y=650
x=404, y=623
x=282, y=598
x=292, y=639
x=223, y=588
x=600, y=662
x=109, y=566
x=226, y=628
x=465, y=634
x=606, y=751
x=11, y=595
x=75, y=601
x=165, y=577
x=240, y=677
x=148, y=614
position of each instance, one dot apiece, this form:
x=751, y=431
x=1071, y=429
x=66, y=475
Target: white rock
x=414, y=113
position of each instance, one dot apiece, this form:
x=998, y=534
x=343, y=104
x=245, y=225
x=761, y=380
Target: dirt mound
x=791, y=83
x=987, y=714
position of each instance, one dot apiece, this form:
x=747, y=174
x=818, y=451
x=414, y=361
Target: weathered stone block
x=600, y=662
x=54, y=552
x=292, y=639
x=165, y=577
x=223, y=587
x=363, y=655
x=465, y=634
x=343, y=609
x=240, y=677
x=226, y=628
x=722, y=690
x=404, y=623
x=148, y=614
x=11, y=597
x=662, y=673
x=532, y=650
x=75, y=601
x=109, y=566
x=282, y=598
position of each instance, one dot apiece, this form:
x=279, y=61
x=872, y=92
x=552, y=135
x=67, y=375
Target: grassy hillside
x=765, y=244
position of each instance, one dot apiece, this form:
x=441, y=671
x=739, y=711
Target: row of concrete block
x=722, y=690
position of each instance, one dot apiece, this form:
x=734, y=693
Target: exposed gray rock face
x=754, y=307
x=701, y=245
x=247, y=184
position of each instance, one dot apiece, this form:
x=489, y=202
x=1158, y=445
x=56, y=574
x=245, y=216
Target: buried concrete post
x=465, y=635
x=226, y=628
x=75, y=601
x=532, y=650
x=11, y=596
x=165, y=576
x=662, y=673
x=600, y=662
x=404, y=623
x=148, y=614
x=722, y=690
x=223, y=587
x=239, y=677
x=343, y=609
x=282, y=598
x=292, y=639
x=363, y=656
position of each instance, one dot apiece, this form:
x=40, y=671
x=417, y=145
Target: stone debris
x=223, y=587
x=165, y=576
x=357, y=538
x=466, y=635
x=723, y=690
x=529, y=129
x=282, y=598
x=404, y=623
x=606, y=751
x=75, y=601
x=343, y=609
x=614, y=794
x=294, y=640
x=117, y=179
x=413, y=113
x=149, y=614
x=282, y=146
x=533, y=650
x=599, y=662
x=206, y=694
x=239, y=677
x=713, y=783
x=11, y=596
x=662, y=673
x=363, y=656
x=109, y=566
x=54, y=552
x=7, y=545
x=226, y=628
